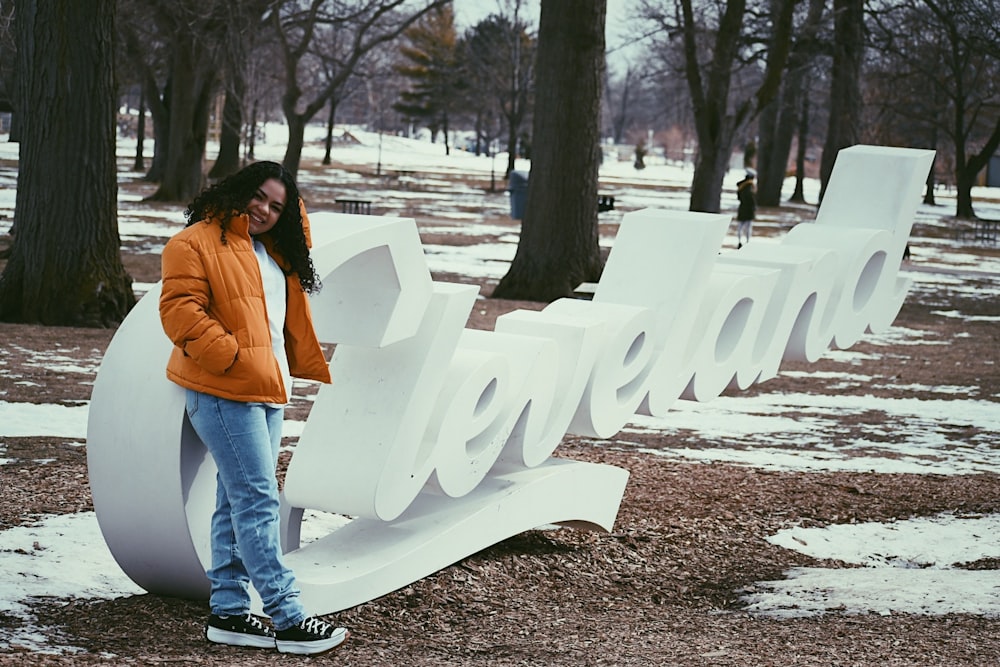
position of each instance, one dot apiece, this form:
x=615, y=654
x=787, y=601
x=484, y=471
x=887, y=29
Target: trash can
x=518, y=189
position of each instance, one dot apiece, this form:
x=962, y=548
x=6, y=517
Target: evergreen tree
x=431, y=64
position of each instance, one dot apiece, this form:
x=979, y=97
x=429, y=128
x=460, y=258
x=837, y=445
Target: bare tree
x=944, y=63
x=247, y=75
x=140, y=132
x=342, y=94
x=801, y=150
x=194, y=30
x=621, y=102
x=500, y=56
x=236, y=59
x=145, y=53
x=667, y=104
x=779, y=120
x=720, y=39
x=558, y=247
x=249, y=79
x=368, y=25
x=194, y=42
x=845, y=85
x=65, y=266
x=382, y=84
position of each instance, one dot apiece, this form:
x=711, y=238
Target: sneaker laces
x=317, y=627
x=254, y=622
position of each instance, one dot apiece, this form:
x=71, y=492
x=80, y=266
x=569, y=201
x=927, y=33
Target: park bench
x=986, y=230
x=359, y=206
x=983, y=230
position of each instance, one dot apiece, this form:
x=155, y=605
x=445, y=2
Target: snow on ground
x=906, y=566
x=793, y=432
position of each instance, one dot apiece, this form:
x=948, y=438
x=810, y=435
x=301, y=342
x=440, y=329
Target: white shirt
x=274, y=300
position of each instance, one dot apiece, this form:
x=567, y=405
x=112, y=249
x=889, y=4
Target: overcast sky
x=469, y=12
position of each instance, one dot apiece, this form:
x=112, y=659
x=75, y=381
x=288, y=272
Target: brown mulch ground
x=662, y=589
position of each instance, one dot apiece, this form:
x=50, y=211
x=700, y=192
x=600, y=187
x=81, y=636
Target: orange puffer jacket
x=212, y=308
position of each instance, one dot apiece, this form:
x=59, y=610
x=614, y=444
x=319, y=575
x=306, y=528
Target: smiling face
x=266, y=206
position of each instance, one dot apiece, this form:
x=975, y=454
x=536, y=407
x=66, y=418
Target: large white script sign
x=437, y=440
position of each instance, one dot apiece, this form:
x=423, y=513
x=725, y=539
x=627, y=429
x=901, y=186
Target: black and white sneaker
x=311, y=636
x=245, y=630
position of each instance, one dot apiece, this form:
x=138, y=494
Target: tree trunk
x=621, y=117
x=159, y=109
x=65, y=266
x=710, y=98
x=159, y=106
x=327, y=157
x=965, y=178
x=252, y=133
x=845, y=84
x=192, y=79
x=480, y=141
x=773, y=163
x=931, y=183
x=771, y=170
x=718, y=119
x=512, y=130
x=228, y=161
x=929, y=190
x=297, y=124
x=798, y=195
x=710, y=168
x=967, y=168
x=140, y=132
x=558, y=248
x=296, y=139
x=767, y=129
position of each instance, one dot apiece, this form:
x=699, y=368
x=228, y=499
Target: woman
x=747, y=210
x=234, y=304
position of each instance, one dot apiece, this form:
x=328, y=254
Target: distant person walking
x=747, y=210
x=234, y=304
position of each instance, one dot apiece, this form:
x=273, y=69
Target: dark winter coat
x=748, y=201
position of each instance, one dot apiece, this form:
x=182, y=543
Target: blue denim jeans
x=243, y=438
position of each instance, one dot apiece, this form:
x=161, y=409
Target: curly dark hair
x=231, y=196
